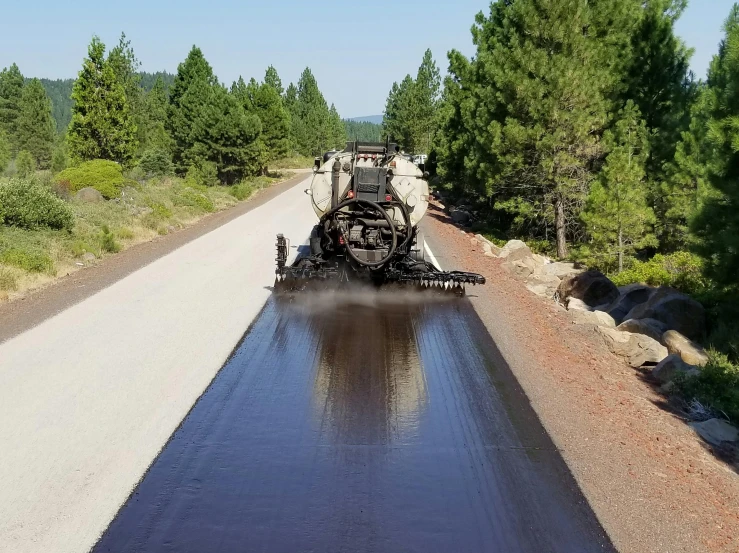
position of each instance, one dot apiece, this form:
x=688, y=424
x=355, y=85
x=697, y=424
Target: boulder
x=649, y=327
x=514, y=250
x=576, y=304
x=597, y=318
x=592, y=287
x=460, y=216
x=675, y=309
x=88, y=195
x=689, y=351
x=88, y=257
x=636, y=349
x=561, y=269
x=540, y=290
x=487, y=246
x=629, y=297
x=715, y=431
x=550, y=282
x=672, y=366
x=521, y=268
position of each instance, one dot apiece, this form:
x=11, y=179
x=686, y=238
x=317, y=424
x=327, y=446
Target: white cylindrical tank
x=406, y=182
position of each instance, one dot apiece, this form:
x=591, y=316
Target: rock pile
x=647, y=326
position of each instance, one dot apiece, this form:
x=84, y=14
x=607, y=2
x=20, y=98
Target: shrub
x=28, y=260
x=59, y=160
x=242, y=190
x=156, y=163
x=104, y=176
x=8, y=280
x=680, y=270
x=204, y=173
x=108, y=242
x=28, y=204
x=717, y=386
x=25, y=165
x=192, y=197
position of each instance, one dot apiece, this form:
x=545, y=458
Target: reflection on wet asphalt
x=373, y=424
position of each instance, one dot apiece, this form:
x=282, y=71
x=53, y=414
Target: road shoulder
x=650, y=481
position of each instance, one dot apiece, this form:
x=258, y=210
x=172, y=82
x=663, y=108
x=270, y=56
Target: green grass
x=31, y=256
x=717, y=386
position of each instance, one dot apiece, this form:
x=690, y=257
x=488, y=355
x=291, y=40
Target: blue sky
x=356, y=50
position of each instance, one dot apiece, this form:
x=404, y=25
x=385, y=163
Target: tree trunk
x=620, y=250
x=559, y=223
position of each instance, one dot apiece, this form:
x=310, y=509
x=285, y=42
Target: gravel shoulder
x=651, y=481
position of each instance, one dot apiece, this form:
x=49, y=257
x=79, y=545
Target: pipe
x=335, y=174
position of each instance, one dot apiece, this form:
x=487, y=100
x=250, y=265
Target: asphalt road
x=361, y=423
x=365, y=423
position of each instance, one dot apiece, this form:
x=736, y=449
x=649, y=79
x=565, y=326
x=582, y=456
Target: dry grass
x=34, y=258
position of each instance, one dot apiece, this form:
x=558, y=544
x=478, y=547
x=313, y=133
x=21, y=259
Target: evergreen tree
x=264, y=101
x=4, y=151
x=617, y=216
x=25, y=165
x=272, y=79
x=223, y=133
x=36, y=130
x=337, y=131
x=425, y=101
x=194, y=77
x=155, y=135
x=313, y=128
x=101, y=127
x=717, y=224
x=125, y=65
x=59, y=159
x=397, y=121
x=686, y=185
x=11, y=89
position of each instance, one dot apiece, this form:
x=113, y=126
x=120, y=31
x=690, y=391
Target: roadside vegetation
x=578, y=127
x=121, y=156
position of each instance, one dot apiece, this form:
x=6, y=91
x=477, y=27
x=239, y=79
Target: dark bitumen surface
x=378, y=424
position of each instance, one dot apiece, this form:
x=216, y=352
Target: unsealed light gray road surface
x=90, y=396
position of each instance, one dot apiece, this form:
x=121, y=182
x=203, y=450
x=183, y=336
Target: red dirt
x=654, y=485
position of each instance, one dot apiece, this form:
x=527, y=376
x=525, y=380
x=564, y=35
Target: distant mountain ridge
x=376, y=119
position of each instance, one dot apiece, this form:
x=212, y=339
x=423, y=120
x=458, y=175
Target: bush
x=203, y=174
x=59, y=160
x=31, y=261
x=108, y=242
x=193, y=198
x=242, y=190
x=28, y=204
x=25, y=165
x=680, y=270
x=156, y=163
x=104, y=176
x=717, y=386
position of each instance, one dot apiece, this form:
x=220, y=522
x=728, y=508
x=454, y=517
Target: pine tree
x=686, y=185
x=223, y=133
x=25, y=165
x=314, y=130
x=397, y=121
x=425, y=101
x=272, y=79
x=296, y=124
x=5, y=155
x=101, y=127
x=36, y=129
x=155, y=135
x=187, y=98
x=264, y=101
x=337, y=132
x=11, y=89
x=125, y=65
x=717, y=224
x=616, y=215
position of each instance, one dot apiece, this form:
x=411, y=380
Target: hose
x=393, y=245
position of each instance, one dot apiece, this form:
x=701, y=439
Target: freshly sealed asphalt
x=360, y=422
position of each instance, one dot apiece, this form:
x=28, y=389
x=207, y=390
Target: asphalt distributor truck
x=369, y=200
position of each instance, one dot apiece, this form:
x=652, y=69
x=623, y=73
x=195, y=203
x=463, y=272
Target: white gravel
x=89, y=397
